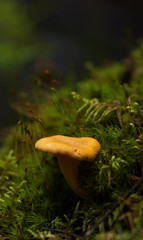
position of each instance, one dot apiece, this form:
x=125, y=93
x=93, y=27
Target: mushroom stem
x=69, y=168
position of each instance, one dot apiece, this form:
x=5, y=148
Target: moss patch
x=35, y=200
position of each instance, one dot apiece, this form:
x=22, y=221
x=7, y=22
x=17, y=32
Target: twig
x=94, y=227
x=61, y=231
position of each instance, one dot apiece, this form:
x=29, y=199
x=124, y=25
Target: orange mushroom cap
x=70, y=151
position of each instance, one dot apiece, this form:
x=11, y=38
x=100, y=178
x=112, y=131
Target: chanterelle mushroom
x=70, y=151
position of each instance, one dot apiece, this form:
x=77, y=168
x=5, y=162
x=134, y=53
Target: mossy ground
x=34, y=197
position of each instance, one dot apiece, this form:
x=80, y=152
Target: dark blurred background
x=61, y=34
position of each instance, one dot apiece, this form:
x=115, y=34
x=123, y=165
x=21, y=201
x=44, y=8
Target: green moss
x=34, y=195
